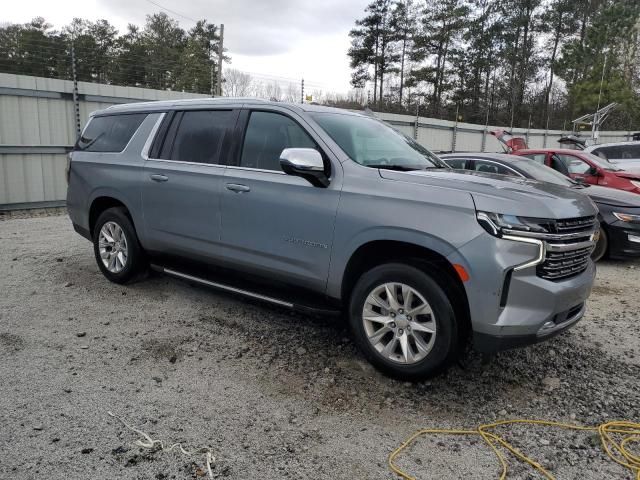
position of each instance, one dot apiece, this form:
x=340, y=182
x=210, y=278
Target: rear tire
x=601, y=247
x=116, y=247
x=412, y=334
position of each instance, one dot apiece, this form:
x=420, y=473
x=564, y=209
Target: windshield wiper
x=399, y=168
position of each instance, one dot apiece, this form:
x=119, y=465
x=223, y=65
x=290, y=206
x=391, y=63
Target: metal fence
x=39, y=119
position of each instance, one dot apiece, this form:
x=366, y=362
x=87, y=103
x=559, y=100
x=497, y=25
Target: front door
x=576, y=167
x=181, y=190
x=273, y=223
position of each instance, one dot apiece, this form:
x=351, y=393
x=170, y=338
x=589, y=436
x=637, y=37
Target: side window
x=573, y=164
x=458, y=163
x=601, y=152
x=537, y=157
x=491, y=167
x=199, y=136
x=267, y=135
x=109, y=133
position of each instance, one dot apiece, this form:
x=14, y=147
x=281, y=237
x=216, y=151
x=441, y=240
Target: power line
x=172, y=11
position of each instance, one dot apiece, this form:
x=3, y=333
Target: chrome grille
x=572, y=225
x=568, y=253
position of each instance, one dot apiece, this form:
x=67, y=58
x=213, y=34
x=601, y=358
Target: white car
x=623, y=154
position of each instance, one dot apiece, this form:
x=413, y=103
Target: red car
x=577, y=164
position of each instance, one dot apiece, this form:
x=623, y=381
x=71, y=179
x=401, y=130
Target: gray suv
x=322, y=209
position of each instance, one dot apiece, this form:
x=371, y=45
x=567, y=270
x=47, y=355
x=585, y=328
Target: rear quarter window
x=109, y=133
x=618, y=152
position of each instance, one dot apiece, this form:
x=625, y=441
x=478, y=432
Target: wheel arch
x=428, y=260
x=101, y=203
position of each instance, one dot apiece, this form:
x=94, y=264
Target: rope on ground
x=151, y=444
x=616, y=449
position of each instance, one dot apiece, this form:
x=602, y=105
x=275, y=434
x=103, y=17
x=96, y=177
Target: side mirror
x=593, y=171
x=306, y=163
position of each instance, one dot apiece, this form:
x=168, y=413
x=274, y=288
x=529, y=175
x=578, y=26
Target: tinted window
x=491, y=167
x=199, y=136
x=110, y=133
x=458, y=163
x=267, y=135
x=619, y=152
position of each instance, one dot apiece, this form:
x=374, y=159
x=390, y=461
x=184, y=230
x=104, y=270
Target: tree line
x=159, y=55
x=522, y=63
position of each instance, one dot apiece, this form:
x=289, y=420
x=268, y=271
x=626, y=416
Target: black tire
x=601, y=247
x=136, y=262
x=444, y=349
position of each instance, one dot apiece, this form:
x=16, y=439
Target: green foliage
x=509, y=62
x=159, y=55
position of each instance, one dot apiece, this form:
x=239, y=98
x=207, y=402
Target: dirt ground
x=275, y=394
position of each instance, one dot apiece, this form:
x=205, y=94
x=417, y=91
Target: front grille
x=573, y=225
x=569, y=251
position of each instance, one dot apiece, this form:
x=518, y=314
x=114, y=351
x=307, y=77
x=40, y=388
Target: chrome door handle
x=158, y=178
x=236, y=187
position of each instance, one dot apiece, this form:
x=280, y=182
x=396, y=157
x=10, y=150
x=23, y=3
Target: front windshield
x=372, y=143
x=543, y=173
x=601, y=162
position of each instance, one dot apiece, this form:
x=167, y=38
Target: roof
x=568, y=151
x=505, y=158
x=210, y=102
x=590, y=148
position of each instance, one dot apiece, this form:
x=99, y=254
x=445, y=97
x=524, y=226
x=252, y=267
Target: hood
x=508, y=141
x=612, y=196
x=503, y=194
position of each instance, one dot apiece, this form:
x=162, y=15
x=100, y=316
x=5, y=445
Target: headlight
x=627, y=217
x=635, y=183
x=497, y=224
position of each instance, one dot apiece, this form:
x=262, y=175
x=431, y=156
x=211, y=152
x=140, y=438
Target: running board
x=246, y=293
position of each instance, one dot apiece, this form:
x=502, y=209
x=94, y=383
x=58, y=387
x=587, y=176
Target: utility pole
x=213, y=93
x=220, y=50
x=76, y=103
x=302, y=91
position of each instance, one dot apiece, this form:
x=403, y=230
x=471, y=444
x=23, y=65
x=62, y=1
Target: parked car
x=322, y=209
x=585, y=167
x=619, y=211
x=622, y=154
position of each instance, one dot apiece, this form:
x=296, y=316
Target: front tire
x=601, y=247
x=116, y=247
x=403, y=322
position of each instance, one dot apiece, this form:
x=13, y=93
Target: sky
x=281, y=38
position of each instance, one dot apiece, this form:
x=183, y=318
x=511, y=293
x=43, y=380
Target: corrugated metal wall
x=37, y=128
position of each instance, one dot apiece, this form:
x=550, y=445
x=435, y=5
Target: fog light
x=634, y=238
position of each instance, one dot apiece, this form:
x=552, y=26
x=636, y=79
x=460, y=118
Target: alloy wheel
x=112, y=245
x=399, y=323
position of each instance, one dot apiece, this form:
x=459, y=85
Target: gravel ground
x=274, y=393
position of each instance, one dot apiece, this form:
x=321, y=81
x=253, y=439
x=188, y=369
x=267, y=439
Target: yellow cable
x=617, y=450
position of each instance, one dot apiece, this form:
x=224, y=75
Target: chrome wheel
x=112, y=245
x=399, y=323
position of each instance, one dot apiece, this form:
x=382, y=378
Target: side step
x=306, y=308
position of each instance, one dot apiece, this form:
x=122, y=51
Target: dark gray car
x=326, y=210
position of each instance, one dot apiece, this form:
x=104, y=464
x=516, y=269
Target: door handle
x=158, y=178
x=236, y=187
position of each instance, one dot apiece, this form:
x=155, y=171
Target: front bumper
x=512, y=308
x=624, y=240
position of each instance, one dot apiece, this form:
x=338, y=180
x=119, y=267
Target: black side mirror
x=593, y=171
x=306, y=163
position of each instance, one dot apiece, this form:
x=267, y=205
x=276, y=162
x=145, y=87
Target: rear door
x=181, y=185
x=273, y=223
